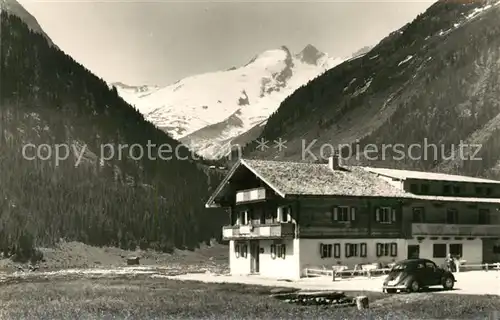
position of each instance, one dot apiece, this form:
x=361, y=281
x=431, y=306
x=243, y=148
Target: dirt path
x=471, y=282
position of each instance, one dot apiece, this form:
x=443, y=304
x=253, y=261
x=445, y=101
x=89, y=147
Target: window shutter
x=377, y=214
x=353, y=213
x=321, y=250
x=335, y=213
x=394, y=249
x=279, y=214
x=393, y=215
x=347, y=250
x=336, y=250
x=283, y=251
x=363, y=250
x=379, y=249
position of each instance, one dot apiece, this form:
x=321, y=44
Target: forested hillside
x=434, y=80
x=48, y=98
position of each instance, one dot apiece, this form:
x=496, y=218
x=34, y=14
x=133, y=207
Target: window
x=496, y=249
x=414, y=188
x=240, y=250
x=424, y=189
x=479, y=190
x=489, y=191
x=418, y=214
x=382, y=249
x=394, y=249
x=237, y=250
x=344, y=214
x=385, y=215
x=456, y=249
x=242, y=217
x=278, y=250
x=439, y=250
x=325, y=250
x=362, y=249
x=287, y=214
x=413, y=251
x=446, y=189
x=336, y=250
x=284, y=214
x=281, y=251
x=351, y=250
x=456, y=190
x=452, y=216
x=484, y=216
x=430, y=265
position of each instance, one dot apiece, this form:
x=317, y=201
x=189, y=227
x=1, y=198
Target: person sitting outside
x=450, y=263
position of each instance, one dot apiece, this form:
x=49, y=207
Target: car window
x=420, y=265
x=399, y=267
x=430, y=265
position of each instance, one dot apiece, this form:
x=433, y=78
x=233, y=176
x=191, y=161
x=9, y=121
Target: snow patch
x=363, y=88
x=477, y=11
x=408, y=58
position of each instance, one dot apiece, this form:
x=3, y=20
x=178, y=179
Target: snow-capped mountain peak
x=310, y=54
x=209, y=110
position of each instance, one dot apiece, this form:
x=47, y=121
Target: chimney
x=334, y=161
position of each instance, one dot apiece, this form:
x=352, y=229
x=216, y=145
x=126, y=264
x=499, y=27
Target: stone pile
x=334, y=298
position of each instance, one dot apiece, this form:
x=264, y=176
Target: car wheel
x=414, y=286
x=448, y=283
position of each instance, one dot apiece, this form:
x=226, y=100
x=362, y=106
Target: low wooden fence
x=340, y=274
x=484, y=266
x=336, y=273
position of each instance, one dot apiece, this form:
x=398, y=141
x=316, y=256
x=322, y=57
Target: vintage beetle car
x=413, y=274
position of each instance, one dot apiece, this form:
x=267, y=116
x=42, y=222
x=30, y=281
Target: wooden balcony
x=328, y=232
x=262, y=231
x=250, y=195
x=456, y=230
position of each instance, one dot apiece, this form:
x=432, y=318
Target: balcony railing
x=463, y=230
x=263, y=231
x=251, y=195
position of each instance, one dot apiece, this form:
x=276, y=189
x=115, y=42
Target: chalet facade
x=287, y=216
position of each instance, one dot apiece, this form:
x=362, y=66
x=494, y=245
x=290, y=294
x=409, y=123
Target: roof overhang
x=211, y=201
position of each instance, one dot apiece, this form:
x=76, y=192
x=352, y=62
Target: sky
x=160, y=42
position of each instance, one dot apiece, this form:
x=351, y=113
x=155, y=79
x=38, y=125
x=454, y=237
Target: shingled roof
x=315, y=179
x=298, y=178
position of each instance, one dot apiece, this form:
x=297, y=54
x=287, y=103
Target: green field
x=141, y=297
